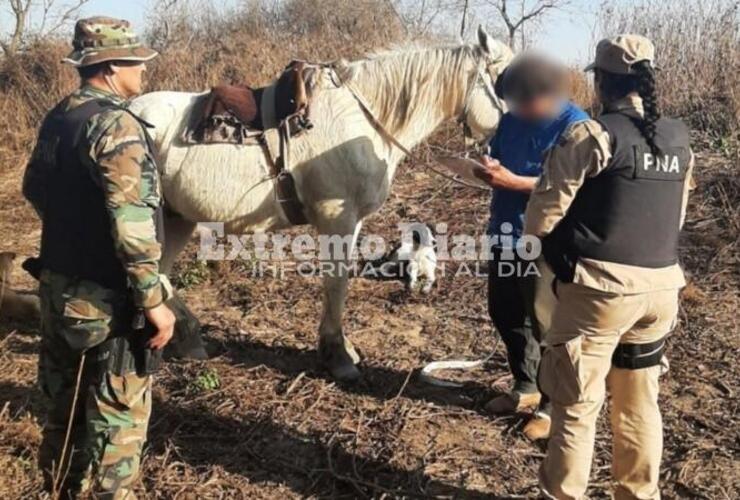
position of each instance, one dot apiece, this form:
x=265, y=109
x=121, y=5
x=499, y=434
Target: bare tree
x=527, y=12
x=464, y=17
x=20, y=10
x=421, y=17
x=52, y=17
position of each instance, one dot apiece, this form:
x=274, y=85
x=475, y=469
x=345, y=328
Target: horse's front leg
x=178, y=232
x=187, y=341
x=336, y=351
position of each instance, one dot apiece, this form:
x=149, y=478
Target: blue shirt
x=521, y=147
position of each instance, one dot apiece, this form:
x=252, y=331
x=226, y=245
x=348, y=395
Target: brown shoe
x=538, y=427
x=512, y=403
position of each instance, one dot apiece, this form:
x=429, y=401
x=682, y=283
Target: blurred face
x=128, y=77
x=539, y=108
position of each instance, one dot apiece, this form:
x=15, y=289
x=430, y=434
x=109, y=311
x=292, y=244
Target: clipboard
x=463, y=167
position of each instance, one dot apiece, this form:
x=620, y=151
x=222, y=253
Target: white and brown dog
x=413, y=260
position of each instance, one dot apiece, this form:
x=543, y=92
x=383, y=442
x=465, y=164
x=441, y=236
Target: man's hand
x=499, y=177
x=164, y=321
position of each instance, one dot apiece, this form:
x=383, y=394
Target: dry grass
x=581, y=90
x=254, y=43
x=275, y=426
x=698, y=52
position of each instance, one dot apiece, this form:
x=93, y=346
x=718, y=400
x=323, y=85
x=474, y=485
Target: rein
x=463, y=119
x=383, y=131
x=426, y=373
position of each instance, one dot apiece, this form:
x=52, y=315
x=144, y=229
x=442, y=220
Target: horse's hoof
x=340, y=360
x=346, y=374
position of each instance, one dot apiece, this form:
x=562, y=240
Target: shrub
x=698, y=53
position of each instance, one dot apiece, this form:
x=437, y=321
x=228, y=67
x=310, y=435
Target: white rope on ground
x=455, y=364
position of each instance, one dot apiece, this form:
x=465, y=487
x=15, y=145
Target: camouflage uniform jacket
x=115, y=150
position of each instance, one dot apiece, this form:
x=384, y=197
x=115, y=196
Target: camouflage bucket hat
x=99, y=39
x=620, y=53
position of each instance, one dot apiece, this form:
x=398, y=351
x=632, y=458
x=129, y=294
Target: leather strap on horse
x=389, y=137
x=276, y=142
x=285, y=189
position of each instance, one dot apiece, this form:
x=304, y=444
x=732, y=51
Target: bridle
x=480, y=80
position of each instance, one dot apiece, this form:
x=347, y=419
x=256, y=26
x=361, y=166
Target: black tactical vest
x=629, y=213
x=77, y=236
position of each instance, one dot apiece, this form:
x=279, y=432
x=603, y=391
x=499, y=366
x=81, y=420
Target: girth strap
x=638, y=356
x=276, y=143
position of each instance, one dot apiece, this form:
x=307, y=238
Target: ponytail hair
x=647, y=91
x=613, y=86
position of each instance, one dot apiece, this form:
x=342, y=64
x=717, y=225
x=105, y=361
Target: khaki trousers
x=576, y=371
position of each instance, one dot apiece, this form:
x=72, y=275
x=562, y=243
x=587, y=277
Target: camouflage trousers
x=112, y=412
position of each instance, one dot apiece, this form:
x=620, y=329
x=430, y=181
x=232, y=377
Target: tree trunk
x=464, y=16
x=19, y=11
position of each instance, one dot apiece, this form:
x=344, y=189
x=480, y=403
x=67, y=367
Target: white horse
x=343, y=167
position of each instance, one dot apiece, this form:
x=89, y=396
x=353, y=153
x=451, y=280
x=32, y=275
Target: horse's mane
x=396, y=80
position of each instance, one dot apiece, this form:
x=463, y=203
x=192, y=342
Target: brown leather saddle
x=234, y=114
x=268, y=116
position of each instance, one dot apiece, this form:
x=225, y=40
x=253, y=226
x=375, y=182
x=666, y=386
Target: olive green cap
x=620, y=53
x=99, y=39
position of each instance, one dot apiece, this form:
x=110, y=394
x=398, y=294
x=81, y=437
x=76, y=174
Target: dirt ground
x=262, y=420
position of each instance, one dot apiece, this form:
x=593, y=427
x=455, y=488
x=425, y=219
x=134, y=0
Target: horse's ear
x=484, y=39
x=493, y=49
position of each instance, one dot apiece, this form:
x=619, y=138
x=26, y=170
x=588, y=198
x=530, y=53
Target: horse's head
x=483, y=108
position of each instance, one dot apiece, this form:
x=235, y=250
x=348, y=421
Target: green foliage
x=191, y=273
x=206, y=380
x=727, y=146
